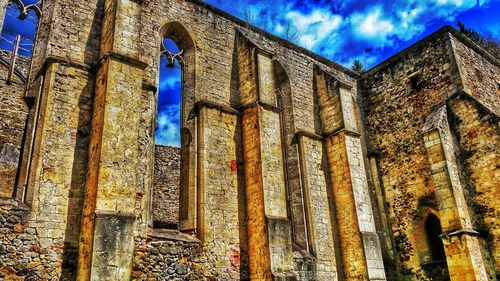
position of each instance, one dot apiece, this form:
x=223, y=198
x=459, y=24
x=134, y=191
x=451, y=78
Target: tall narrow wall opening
x=174, y=193
x=166, y=183
x=433, y=231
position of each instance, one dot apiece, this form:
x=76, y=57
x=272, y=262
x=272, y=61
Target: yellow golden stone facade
x=291, y=167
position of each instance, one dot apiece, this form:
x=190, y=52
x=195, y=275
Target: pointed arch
x=186, y=58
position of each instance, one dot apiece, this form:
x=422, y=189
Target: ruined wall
x=398, y=96
x=394, y=117
x=21, y=256
x=221, y=218
x=296, y=241
x=217, y=82
x=167, y=255
x=61, y=160
x=166, y=186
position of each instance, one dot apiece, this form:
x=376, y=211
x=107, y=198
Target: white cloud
x=314, y=27
x=373, y=26
x=172, y=81
x=168, y=129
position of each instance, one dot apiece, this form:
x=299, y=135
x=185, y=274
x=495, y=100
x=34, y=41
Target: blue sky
x=169, y=97
x=342, y=31
x=367, y=30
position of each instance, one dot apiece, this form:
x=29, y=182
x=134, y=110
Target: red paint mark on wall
x=72, y=137
x=234, y=166
x=235, y=256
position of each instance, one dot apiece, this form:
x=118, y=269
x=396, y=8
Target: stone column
x=220, y=195
x=360, y=246
x=359, y=242
x=56, y=170
x=269, y=230
x=106, y=239
x=461, y=244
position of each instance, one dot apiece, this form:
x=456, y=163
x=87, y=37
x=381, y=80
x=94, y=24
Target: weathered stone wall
x=221, y=215
x=398, y=96
x=13, y=114
x=166, y=186
x=476, y=130
x=394, y=117
x=167, y=255
x=318, y=206
x=21, y=255
x=480, y=76
x=240, y=142
x=57, y=182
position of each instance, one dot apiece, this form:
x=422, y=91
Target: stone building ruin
x=291, y=167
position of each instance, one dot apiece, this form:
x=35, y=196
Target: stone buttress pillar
x=220, y=190
x=106, y=239
x=55, y=173
x=269, y=230
x=360, y=246
x=461, y=245
x=320, y=232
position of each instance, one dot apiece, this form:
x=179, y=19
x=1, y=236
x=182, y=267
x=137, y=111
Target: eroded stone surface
x=274, y=177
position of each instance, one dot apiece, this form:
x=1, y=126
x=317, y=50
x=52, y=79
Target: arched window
x=174, y=196
x=167, y=138
x=433, y=231
x=21, y=19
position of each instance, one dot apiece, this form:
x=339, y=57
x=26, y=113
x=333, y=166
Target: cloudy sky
x=343, y=31
x=367, y=30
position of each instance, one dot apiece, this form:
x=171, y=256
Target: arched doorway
x=434, y=241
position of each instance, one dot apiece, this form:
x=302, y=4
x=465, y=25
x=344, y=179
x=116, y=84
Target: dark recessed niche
x=416, y=82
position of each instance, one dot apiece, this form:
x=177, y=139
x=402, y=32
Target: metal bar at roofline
x=13, y=58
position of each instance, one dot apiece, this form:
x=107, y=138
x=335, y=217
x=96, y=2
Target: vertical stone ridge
x=462, y=247
x=88, y=224
x=106, y=240
x=269, y=228
x=258, y=241
x=317, y=205
x=359, y=242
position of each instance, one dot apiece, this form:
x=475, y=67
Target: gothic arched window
x=167, y=138
x=174, y=201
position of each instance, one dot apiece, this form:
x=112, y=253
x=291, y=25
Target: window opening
x=433, y=231
x=416, y=82
x=21, y=18
x=168, y=138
